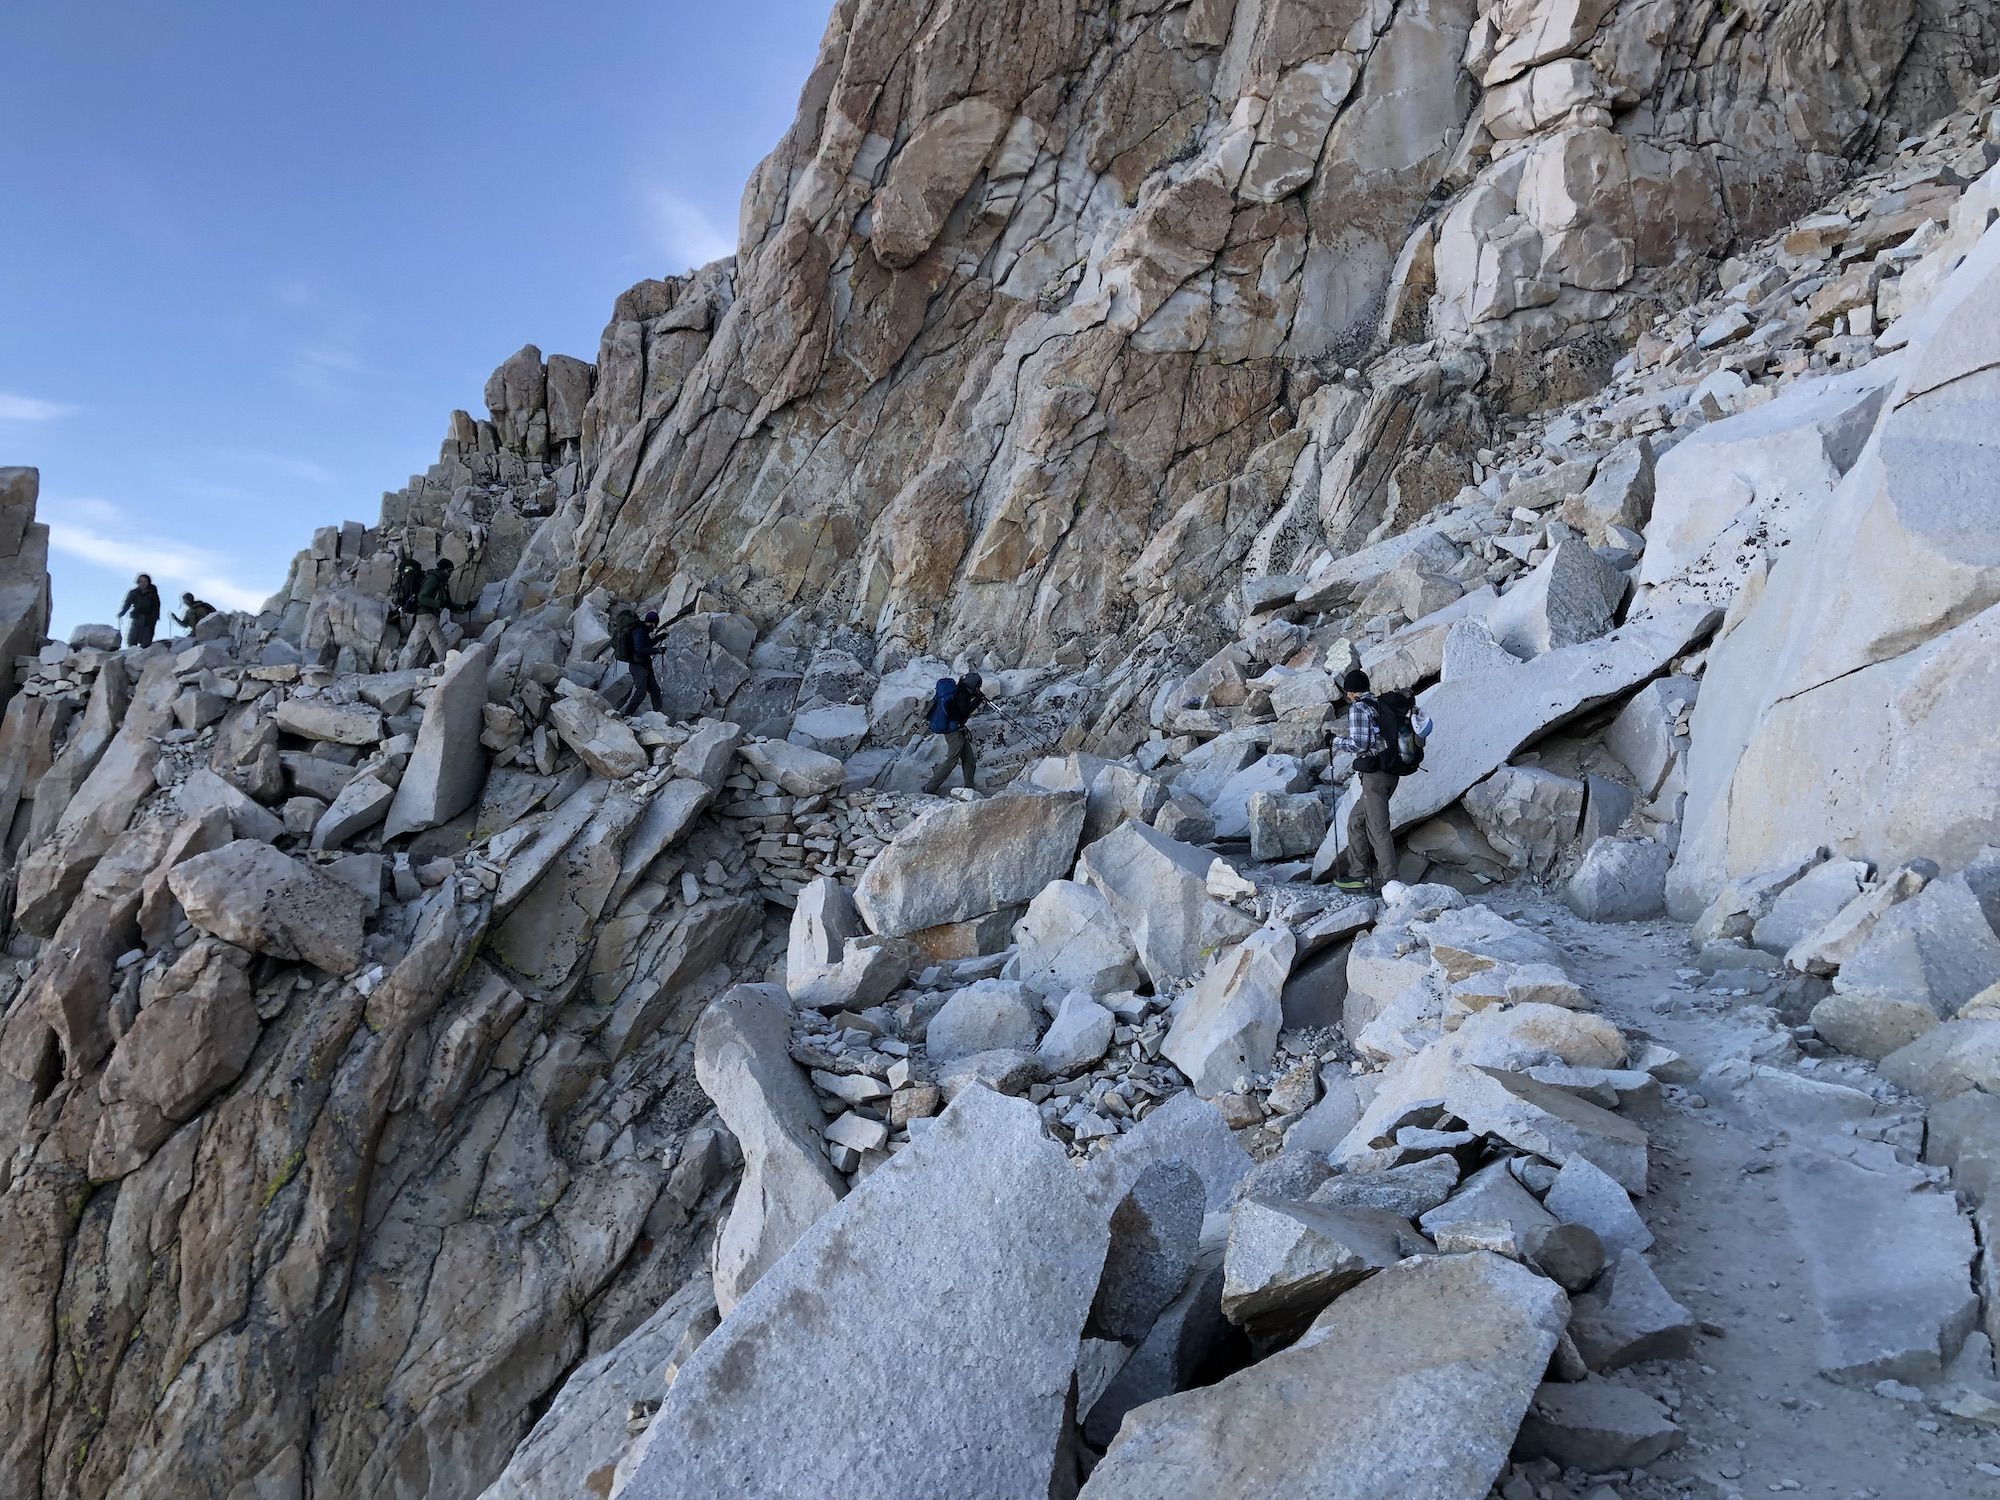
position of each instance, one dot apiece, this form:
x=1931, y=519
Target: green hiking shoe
x=1358, y=887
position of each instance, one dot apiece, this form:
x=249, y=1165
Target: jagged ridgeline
x=437, y=1079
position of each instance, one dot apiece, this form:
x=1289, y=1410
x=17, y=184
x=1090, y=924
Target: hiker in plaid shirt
x=1374, y=737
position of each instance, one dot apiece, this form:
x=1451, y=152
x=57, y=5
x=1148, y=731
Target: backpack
x=942, y=721
x=623, y=623
x=409, y=579
x=1402, y=747
x=435, y=594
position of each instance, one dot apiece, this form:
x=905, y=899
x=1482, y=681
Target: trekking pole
x=1008, y=719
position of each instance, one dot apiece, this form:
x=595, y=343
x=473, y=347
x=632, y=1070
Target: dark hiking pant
x=1370, y=854
x=645, y=684
x=958, y=744
x=140, y=631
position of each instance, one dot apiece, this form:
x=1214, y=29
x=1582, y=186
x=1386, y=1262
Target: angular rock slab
x=1584, y=1194
x=964, y=859
x=1594, y=1425
x=576, y=1439
x=742, y=1058
x=1157, y=888
x=251, y=895
x=1629, y=1316
x=1286, y=1260
x=1889, y=1262
x=448, y=767
x=822, y=1373
x=601, y=740
x=1486, y=716
x=1069, y=940
x=1228, y=1025
x=1551, y=1122
x=829, y=960
x=1413, y=1384
x=1187, y=1129
x=983, y=1017
x=1155, y=1231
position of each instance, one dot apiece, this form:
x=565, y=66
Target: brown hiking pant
x=1370, y=854
x=425, y=645
x=958, y=745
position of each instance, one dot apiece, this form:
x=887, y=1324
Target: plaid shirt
x=1364, y=728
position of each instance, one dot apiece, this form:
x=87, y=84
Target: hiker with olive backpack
x=1385, y=734
x=635, y=641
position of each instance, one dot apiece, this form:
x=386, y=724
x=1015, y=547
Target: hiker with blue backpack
x=952, y=703
x=1385, y=734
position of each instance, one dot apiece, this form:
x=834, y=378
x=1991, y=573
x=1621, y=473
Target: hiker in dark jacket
x=1376, y=737
x=142, y=603
x=193, y=612
x=637, y=643
x=951, y=705
x=426, y=642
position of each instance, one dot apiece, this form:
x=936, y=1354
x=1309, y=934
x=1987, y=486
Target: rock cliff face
x=1037, y=303
x=430, y=1080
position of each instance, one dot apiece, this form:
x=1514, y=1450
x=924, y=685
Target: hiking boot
x=1355, y=887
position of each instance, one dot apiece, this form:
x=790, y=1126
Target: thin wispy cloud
x=328, y=369
x=289, y=465
x=682, y=232
x=97, y=531
x=324, y=357
x=15, y=408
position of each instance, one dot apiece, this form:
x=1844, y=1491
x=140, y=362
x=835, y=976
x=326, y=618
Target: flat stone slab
x=1889, y=1261
x=1413, y=1384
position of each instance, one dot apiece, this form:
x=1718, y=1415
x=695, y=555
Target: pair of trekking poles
x=1035, y=742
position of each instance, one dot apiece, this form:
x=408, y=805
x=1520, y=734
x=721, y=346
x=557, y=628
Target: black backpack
x=623, y=623
x=1402, y=747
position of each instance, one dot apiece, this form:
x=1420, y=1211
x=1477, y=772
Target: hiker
x=634, y=642
x=142, y=603
x=952, y=703
x=1386, y=734
x=193, y=612
x=433, y=599
x=409, y=580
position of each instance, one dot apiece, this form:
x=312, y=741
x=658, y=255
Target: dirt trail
x=1758, y=1415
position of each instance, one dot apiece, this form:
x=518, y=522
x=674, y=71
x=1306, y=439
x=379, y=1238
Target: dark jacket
x=435, y=595
x=965, y=702
x=141, y=603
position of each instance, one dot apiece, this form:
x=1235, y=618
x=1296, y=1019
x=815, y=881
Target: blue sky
x=255, y=253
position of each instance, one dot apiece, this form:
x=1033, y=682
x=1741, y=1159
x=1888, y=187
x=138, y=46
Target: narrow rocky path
x=1758, y=1415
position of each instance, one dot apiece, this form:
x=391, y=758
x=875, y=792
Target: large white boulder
x=599, y=738
x=959, y=860
x=1157, y=888
x=1755, y=479
x=831, y=961
x=1620, y=880
x=1851, y=698
x=249, y=894
x=1572, y=596
x=1069, y=939
x=1227, y=1026
x=821, y=1373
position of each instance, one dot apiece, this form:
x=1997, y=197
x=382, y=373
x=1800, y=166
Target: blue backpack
x=941, y=696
